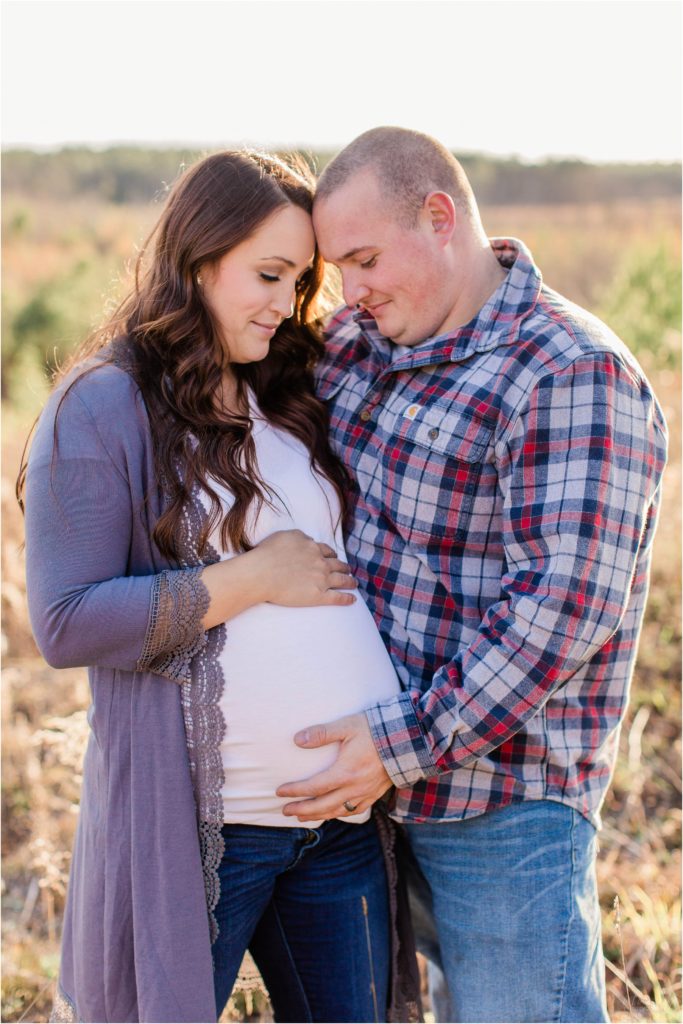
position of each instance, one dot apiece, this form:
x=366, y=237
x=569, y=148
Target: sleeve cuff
x=400, y=741
x=174, y=631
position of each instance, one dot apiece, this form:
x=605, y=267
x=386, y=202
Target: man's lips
x=378, y=307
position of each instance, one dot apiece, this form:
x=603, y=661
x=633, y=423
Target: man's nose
x=354, y=290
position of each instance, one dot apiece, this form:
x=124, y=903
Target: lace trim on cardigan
x=182, y=596
x=204, y=723
x=174, y=632
x=63, y=1009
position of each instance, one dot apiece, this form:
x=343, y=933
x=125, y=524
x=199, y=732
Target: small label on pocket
x=411, y=412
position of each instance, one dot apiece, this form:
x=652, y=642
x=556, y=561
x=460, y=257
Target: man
x=507, y=454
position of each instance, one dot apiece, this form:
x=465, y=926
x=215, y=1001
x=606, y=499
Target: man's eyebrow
x=354, y=252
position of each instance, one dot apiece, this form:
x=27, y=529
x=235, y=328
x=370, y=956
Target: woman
x=180, y=479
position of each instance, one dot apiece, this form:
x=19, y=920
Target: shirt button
x=433, y=433
x=365, y=415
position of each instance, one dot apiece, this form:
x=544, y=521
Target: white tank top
x=287, y=668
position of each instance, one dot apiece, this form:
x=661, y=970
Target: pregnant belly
x=285, y=669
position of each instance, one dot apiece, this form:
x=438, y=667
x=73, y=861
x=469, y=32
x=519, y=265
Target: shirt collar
x=496, y=323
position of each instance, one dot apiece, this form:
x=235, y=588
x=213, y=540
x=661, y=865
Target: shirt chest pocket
x=432, y=467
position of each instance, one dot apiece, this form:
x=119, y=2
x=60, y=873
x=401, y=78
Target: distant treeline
x=127, y=174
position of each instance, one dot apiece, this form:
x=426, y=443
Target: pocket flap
x=455, y=432
x=327, y=387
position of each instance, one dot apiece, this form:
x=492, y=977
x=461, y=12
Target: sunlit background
x=597, y=80
x=567, y=118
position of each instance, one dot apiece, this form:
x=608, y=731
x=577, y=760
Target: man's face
x=398, y=274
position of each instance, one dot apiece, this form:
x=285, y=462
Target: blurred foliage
x=64, y=263
x=125, y=174
x=57, y=286
x=120, y=174
x=48, y=320
x=643, y=306
x=36, y=325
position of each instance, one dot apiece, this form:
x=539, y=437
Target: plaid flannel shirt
x=506, y=481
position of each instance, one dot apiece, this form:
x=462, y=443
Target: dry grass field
x=43, y=710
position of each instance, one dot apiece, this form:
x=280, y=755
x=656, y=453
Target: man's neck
x=485, y=277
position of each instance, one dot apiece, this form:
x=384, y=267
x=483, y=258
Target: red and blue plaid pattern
x=507, y=479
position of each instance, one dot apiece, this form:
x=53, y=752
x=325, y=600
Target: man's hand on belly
x=356, y=778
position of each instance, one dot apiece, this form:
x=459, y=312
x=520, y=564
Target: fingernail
x=302, y=737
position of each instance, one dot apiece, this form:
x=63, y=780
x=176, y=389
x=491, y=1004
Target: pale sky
x=596, y=79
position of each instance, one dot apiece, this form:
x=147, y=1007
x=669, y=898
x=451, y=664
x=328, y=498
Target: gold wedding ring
x=350, y=807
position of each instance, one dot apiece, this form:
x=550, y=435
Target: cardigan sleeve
x=84, y=607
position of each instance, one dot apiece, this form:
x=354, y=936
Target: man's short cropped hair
x=408, y=166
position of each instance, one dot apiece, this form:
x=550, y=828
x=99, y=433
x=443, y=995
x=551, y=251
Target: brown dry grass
x=579, y=249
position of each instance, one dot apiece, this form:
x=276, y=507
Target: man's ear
x=439, y=211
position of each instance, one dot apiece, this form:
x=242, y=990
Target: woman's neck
x=229, y=398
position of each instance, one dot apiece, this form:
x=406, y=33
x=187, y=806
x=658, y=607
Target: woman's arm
x=80, y=515
x=84, y=607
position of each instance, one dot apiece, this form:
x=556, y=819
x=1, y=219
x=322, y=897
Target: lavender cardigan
x=139, y=922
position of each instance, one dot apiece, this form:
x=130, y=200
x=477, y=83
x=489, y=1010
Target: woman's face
x=251, y=289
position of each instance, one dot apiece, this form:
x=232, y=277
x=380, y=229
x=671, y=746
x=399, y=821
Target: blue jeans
x=312, y=906
x=506, y=911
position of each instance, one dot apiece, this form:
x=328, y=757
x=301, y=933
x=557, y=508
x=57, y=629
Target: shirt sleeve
x=579, y=473
x=85, y=608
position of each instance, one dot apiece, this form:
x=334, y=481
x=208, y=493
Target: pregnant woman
x=183, y=540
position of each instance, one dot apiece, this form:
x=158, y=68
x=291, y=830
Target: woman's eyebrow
x=282, y=259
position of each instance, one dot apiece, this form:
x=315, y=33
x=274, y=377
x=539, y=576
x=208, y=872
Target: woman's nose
x=284, y=305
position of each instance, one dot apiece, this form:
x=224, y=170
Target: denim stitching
x=305, y=847
x=572, y=904
x=309, y=1016
x=371, y=962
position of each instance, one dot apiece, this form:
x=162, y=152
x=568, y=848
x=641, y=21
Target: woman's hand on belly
x=300, y=572
x=288, y=568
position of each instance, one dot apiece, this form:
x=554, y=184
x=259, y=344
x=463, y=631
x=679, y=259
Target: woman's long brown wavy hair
x=172, y=344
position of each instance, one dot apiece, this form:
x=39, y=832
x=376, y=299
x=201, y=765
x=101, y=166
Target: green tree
x=643, y=305
x=42, y=325
x=34, y=325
